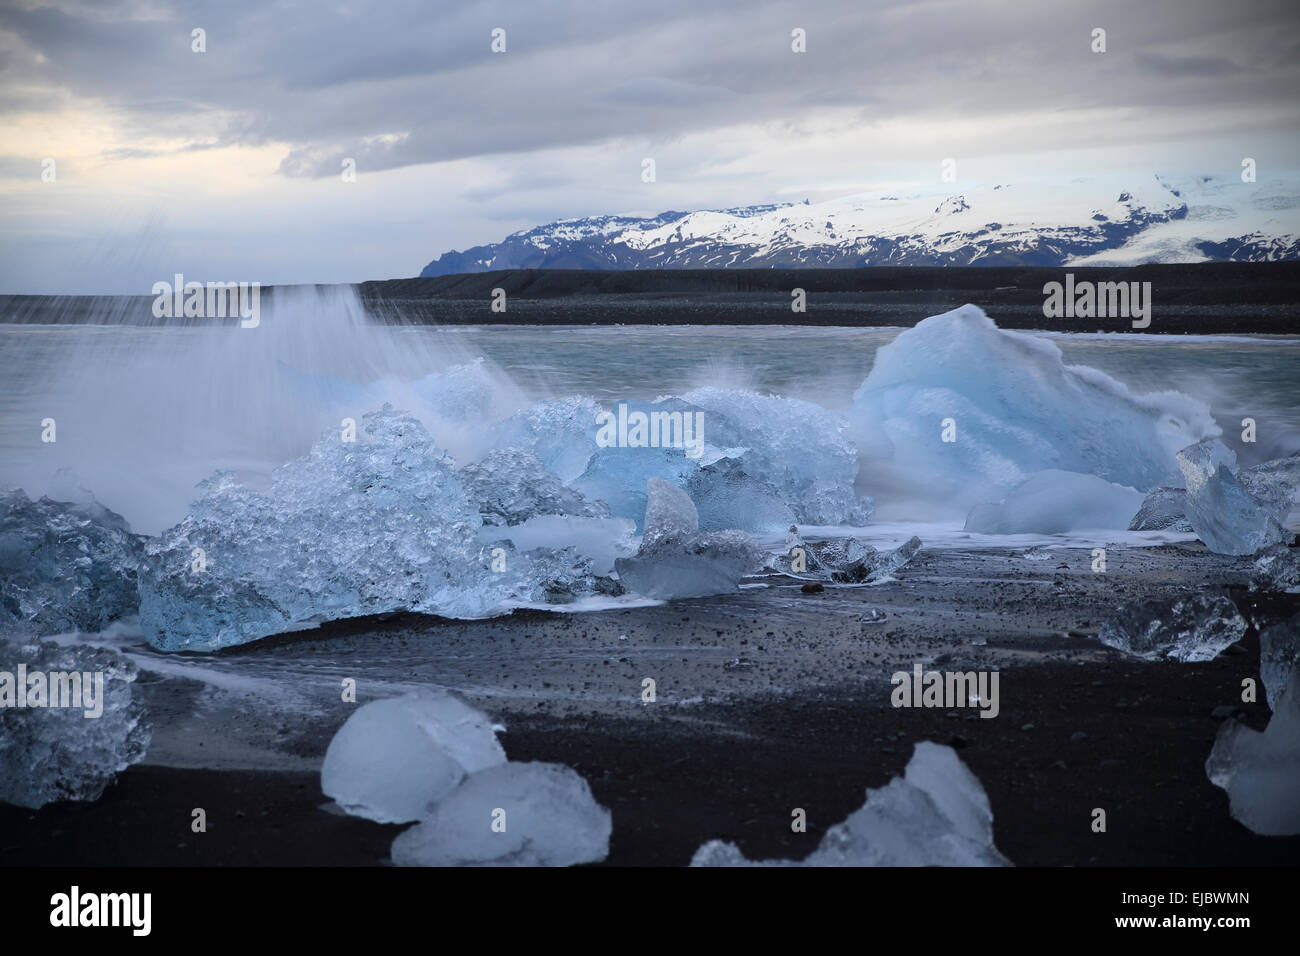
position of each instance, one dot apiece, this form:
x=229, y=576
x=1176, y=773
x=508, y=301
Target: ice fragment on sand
x=50, y=753
x=1278, y=569
x=1163, y=509
x=936, y=814
x=1221, y=511
x=516, y=814
x=1279, y=656
x=1194, y=628
x=393, y=759
x=1261, y=770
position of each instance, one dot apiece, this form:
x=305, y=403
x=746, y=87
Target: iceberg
x=1163, y=509
x=1261, y=770
x=1190, y=629
x=50, y=753
x=1053, y=502
x=1221, y=510
x=393, y=759
x=355, y=528
x=64, y=566
x=1279, y=657
x=936, y=814
x=1015, y=408
x=515, y=814
x=676, y=560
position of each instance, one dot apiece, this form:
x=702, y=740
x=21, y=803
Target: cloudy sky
x=227, y=164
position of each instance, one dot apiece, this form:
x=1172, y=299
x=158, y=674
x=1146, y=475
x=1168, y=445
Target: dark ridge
x=1203, y=298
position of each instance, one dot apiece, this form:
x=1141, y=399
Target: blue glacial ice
x=1163, y=509
x=1277, y=569
x=1053, y=502
x=511, y=485
x=936, y=814
x=1279, y=657
x=1015, y=408
x=64, y=565
x=514, y=814
x=355, y=528
x=1260, y=770
x=394, y=759
x=676, y=559
x=1234, y=513
x=50, y=753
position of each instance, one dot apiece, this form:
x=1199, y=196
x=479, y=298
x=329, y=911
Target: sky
x=127, y=156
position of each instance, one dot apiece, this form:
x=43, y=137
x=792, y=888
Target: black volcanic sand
x=769, y=700
x=1201, y=298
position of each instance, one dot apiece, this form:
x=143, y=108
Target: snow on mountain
x=1094, y=221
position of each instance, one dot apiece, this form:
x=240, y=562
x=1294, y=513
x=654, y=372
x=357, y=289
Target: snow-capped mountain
x=1080, y=222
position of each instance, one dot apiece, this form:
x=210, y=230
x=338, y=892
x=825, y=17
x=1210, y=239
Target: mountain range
x=1106, y=221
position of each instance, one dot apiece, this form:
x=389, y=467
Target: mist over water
x=145, y=413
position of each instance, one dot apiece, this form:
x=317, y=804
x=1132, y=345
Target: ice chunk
x=800, y=450
x=936, y=814
x=562, y=433
x=1016, y=408
x=1164, y=509
x=355, y=528
x=74, y=750
x=551, y=575
x=1220, y=510
x=845, y=560
x=1273, y=485
x=1191, y=629
x=393, y=759
x=517, y=814
x=1278, y=569
x=64, y=566
x=728, y=498
x=1261, y=771
x=676, y=560
x=1052, y=502
x=1279, y=656
x=511, y=486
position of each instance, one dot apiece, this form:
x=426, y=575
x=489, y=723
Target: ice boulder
x=1163, y=509
x=936, y=814
x=727, y=498
x=1011, y=407
x=516, y=814
x=676, y=560
x=64, y=565
x=393, y=759
x=800, y=450
x=1052, y=502
x=1222, y=512
x=561, y=433
x=355, y=528
x=68, y=721
x=1261, y=770
x=1273, y=485
x=510, y=486
x=1195, y=628
x=1279, y=657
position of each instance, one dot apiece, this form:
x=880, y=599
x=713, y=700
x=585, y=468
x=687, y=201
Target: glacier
x=515, y=814
x=393, y=759
x=50, y=753
x=936, y=814
x=1013, y=408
